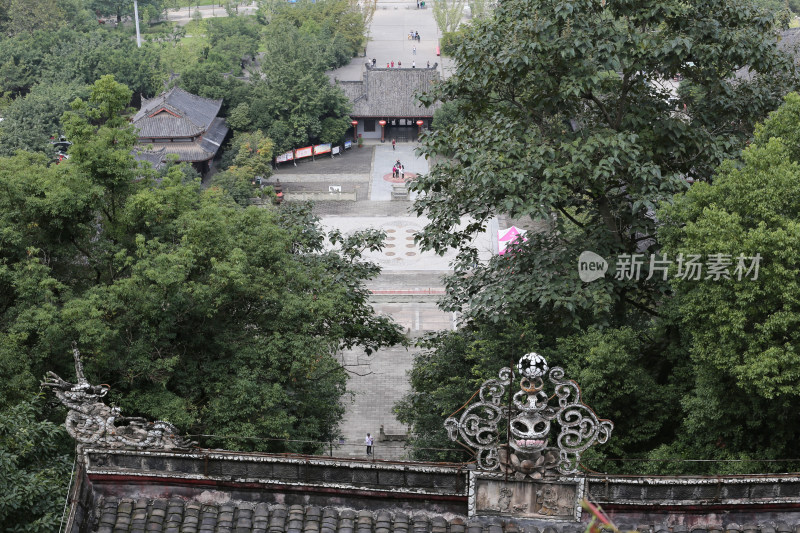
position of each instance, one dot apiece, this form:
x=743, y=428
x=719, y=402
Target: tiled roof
x=154, y=157
x=184, y=115
x=176, y=515
x=389, y=92
x=213, y=137
x=188, y=152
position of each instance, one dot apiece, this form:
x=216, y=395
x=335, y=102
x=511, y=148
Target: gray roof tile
x=176, y=515
x=196, y=118
x=389, y=92
x=194, y=114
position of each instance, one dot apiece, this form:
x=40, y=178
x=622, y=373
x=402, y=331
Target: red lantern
x=355, y=129
x=382, y=123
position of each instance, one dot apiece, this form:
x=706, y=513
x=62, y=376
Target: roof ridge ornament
x=530, y=416
x=90, y=421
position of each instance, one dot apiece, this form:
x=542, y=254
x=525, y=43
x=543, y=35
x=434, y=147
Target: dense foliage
x=566, y=116
x=216, y=317
x=256, y=65
x=35, y=462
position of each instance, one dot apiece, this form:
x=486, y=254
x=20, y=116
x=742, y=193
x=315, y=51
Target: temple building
x=388, y=94
x=183, y=124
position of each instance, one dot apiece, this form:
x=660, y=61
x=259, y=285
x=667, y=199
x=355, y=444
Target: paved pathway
x=411, y=280
x=388, y=39
x=407, y=289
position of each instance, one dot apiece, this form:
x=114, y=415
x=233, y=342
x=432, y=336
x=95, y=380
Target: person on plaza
x=413, y=64
x=402, y=173
x=392, y=64
x=374, y=61
x=387, y=65
x=394, y=142
x=429, y=64
x=410, y=35
x=368, y=441
x=399, y=64
x=414, y=51
x=394, y=171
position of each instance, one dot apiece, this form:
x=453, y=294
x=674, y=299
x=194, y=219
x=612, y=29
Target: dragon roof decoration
x=90, y=421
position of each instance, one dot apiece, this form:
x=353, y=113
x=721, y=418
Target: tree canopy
x=216, y=317
x=566, y=116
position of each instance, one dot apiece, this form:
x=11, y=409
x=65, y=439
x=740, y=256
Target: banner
x=336, y=150
x=303, y=152
x=510, y=236
x=348, y=144
x=322, y=149
x=288, y=156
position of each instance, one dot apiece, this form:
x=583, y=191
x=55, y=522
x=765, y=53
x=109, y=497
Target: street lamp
x=382, y=123
x=420, y=123
x=136, y=18
x=355, y=130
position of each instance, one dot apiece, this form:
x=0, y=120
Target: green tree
x=30, y=121
x=566, y=119
x=567, y=122
x=295, y=97
x=448, y=14
x=223, y=320
x=35, y=464
x=743, y=327
x=26, y=16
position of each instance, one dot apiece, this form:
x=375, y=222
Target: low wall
x=649, y=503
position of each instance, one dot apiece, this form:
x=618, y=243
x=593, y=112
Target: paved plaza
x=353, y=191
x=407, y=289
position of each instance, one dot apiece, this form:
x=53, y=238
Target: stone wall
x=645, y=503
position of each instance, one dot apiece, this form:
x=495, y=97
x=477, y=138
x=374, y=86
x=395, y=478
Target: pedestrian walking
x=414, y=51
x=402, y=173
x=394, y=142
x=399, y=64
x=368, y=441
x=387, y=65
x=394, y=171
x=392, y=64
x=413, y=64
x=429, y=64
x=374, y=61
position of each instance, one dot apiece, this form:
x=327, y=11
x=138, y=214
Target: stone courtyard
x=407, y=289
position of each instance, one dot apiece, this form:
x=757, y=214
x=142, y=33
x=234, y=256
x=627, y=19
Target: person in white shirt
x=368, y=441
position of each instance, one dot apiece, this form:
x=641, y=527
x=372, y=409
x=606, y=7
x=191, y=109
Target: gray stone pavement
x=388, y=39
x=407, y=289
x=384, y=159
x=411, y=280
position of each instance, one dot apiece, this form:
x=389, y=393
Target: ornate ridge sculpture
x=90, y=421
x=530, y=416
